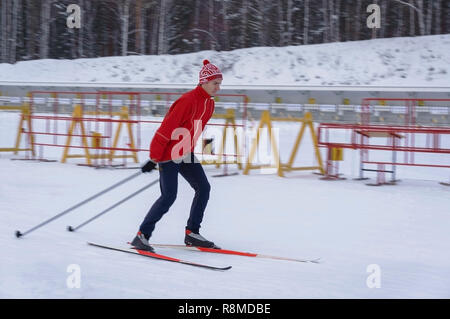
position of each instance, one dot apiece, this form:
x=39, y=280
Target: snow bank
x=408, y=61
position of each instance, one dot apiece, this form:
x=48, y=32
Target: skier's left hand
x=148, y=167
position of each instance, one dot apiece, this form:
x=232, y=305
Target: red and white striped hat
x=209, y=72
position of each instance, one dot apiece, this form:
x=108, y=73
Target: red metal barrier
x=98, y=111
x=365, y=138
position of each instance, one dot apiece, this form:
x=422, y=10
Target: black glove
x=148, y=167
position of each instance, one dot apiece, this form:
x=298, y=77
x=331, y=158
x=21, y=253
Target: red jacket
x=182, y=126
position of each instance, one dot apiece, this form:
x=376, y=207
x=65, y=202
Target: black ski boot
x=141, y=243
x=195, y=239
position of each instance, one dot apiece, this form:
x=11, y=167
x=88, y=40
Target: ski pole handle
x=19, y=234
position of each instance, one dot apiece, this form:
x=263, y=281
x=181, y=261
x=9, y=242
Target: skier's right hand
x=148, y=167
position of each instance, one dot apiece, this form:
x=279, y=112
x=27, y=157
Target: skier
x=172, y=149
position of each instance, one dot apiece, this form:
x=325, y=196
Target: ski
x=158, y=256
x=234, y=252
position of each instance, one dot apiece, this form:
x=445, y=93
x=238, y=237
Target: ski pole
x=20, y=234
x=70, y=228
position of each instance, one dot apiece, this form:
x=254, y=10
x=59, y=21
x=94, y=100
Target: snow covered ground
x=408, y=61
x=393, y=237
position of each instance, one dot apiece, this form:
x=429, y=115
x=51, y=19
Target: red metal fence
x=99, y=114
x=408, y=139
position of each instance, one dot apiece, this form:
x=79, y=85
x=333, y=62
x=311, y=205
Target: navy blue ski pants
x=193, y=173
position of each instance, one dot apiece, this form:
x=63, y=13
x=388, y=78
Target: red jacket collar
x=201, y=92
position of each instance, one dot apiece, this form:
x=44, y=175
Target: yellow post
x=265, y=121
x=276, y=155
x=132, y=145
x=337, y=154
x=96, y=140
x=77, y=116
x=124, y=115
x=307, y=122
x=311, y=100
x=310, y=123
x=297, y=144
x=230, y=119
x=25, y=118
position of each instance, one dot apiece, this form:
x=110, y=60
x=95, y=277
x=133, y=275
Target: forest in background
x=38, y=29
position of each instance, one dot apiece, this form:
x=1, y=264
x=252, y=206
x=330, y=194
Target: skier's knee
x=169, y=199
x=204, y=189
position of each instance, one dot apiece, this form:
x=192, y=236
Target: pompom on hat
x=209, y=72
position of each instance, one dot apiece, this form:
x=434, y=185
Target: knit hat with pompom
x=209, y=72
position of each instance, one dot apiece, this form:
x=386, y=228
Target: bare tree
x=88, y=16
x=289, y=26
x=162, y=27
x=16, y=4
x=258, y=22
x=244, y=15
x=10, y=23
x=412, y=24
x=429, y=17
x=420, y=17
x=226, y=37
x=196, y=25
x=139, y=29
x=358, y=9
x=154, y=21
x=141, y=9
x=333, y=17
x=4, y=31
x=437, y=7
x=326, y=21
x=45, y=29
x=336, y=14
x=384, y=9
x=124, y=10
x=348, y=20
x=212, y=40
x=305, y=21
x=80, y=31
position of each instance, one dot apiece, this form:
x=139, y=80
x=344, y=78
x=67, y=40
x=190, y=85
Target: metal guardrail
x=435, y=115
x=331, y=103
x=324, y=94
